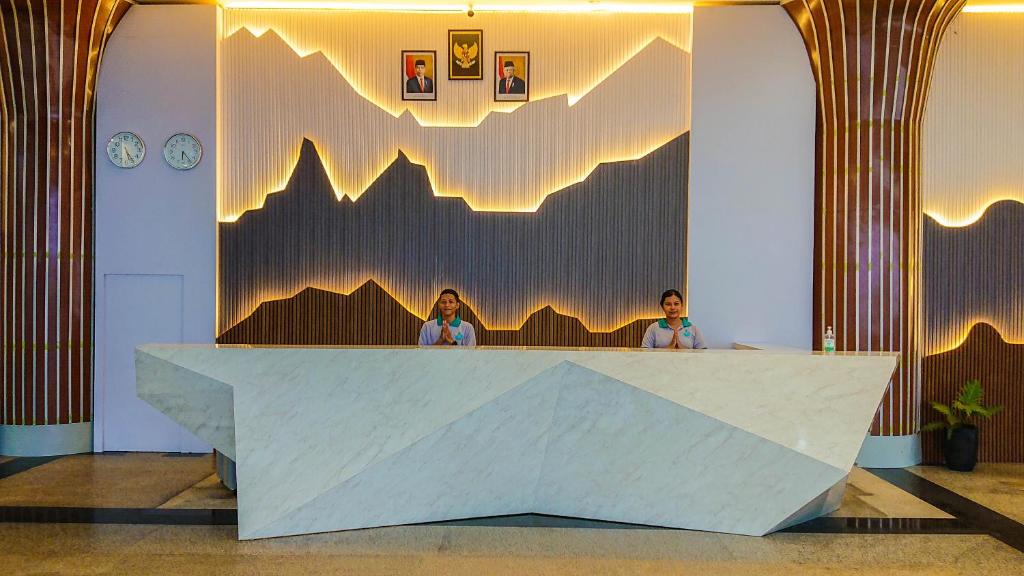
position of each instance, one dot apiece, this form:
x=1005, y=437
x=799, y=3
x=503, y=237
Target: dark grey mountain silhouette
x=316, y=316
x=974, y=271
x=610, y=244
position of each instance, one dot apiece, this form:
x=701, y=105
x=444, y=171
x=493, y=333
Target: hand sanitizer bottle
x=830, y=340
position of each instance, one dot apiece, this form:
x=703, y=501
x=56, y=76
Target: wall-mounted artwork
x=418, y=75
x=512, y=76
x=465, y=54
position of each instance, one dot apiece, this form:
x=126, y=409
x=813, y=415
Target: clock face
x=183, y=151
x=126, y=150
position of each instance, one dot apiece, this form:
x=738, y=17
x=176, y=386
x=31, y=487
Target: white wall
x=155, y=226
x=751, y=181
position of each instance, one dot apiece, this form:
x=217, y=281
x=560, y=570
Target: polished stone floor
x=880, y=529
x=999, y=487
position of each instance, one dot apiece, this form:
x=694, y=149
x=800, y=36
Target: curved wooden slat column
x=49, y=57
x=872, y=61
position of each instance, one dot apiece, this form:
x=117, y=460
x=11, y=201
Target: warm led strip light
x=972, y=218
x=423, y=314
x=588, y=8
x=994, y=9
x=957, y=341
x=580, y=8
x=333, y=5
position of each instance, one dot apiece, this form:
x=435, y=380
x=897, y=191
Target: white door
x=138, y=309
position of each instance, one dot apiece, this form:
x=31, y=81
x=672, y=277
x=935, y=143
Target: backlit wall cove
x=346, y=205
x=973, y=237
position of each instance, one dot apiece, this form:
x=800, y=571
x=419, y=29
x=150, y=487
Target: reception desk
x=336, y=438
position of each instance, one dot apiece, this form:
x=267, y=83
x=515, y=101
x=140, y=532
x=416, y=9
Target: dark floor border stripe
x=984, y=520
x=172, y=517
x=202, y=517
x=845, y=525
x=21, y=464
x=825, y=525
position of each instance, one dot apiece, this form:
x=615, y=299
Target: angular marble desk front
x=746, y=442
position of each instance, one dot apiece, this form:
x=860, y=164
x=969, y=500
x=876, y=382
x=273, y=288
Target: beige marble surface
x=139, y=550
x=996, y=486
x=152, y=477
x=208, y=494
x=868, y=496
x=132, y=480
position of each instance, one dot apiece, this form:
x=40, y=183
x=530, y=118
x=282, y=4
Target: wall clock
x=126, y=150
x=183, y=151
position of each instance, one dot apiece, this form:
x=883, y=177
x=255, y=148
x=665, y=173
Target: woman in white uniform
x=448, y=329
x=674, y=331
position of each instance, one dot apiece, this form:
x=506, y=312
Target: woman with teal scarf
x=674, y=331
x=448, y=329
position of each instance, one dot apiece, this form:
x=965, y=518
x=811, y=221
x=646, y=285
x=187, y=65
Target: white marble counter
x=336, y=438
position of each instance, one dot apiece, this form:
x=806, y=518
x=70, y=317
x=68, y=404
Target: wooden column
x=872, y=62
x=49, y=57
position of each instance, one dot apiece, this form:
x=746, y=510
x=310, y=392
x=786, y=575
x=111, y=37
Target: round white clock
x=183, y=151
x=126, y=150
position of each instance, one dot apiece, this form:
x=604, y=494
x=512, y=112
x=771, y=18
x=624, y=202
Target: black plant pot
x=961, y=449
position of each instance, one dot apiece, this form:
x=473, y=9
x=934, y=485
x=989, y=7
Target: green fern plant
x=962, y=413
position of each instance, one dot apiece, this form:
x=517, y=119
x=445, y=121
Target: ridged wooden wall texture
x=49, y=57
x=872, y=62
x=574, y=200
x=974, y=228
x=1000, y=367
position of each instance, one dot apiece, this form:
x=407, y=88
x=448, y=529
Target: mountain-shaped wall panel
x=600, y=251
x=320, y=317
x=974, y=124
x=974, y=274
x=507, y=158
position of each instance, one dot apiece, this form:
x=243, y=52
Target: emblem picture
x=511, y=76
x=465, y=55
x=418, y=75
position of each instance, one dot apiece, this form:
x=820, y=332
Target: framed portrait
x=418, y=68
x=465, y=54
x=511, y=76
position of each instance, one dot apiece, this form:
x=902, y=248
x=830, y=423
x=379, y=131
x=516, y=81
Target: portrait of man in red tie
x=418, y=75
x=511, y=71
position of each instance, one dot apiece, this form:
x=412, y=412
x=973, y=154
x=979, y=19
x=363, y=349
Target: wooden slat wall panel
x=319, y=317
x=973, y=267
x=49, y=58
x=974, y=127
x=590, y=244
x=985, y=356
x=329, y=78
x=872, y=62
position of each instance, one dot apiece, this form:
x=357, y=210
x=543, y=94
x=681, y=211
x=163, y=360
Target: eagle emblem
x=466, y=54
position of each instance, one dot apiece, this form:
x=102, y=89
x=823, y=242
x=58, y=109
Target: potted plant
x=961, y=445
